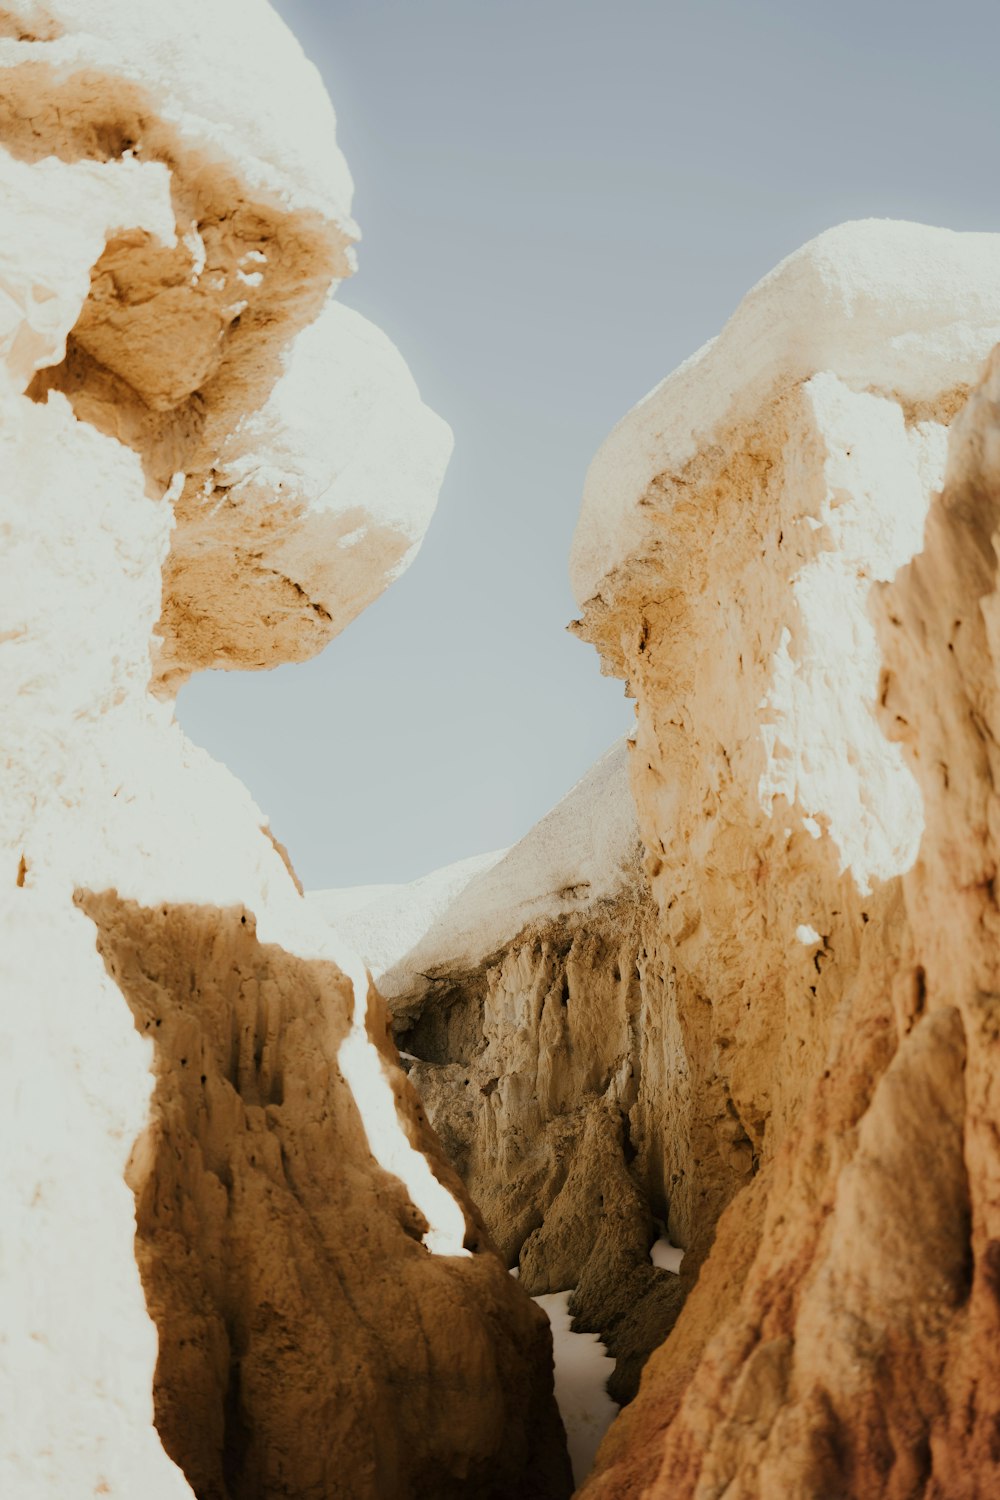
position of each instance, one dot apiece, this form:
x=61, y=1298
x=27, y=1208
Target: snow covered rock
x=205, y=462
x=306, y=466
x=903, y=311
x=807, y=697
x=580, y=854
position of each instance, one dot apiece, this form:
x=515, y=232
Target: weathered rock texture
x=531, y=1072
x=841, y=1337
x=304, y=1347
x=536, y=1021
x=772, y=1037
x=205, y=462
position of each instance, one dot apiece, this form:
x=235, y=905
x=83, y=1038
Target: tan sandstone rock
x=665, y=1048
x=762, y=1038
x=840, y=1339
x=309, y=1345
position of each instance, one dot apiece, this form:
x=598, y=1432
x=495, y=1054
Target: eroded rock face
x=937, y=624
x=537, y=1017
x=206, y=463
x=530, y=1073
x=651, y=1056
x=183, y=349
x=846, y=1310
x=285, y=1271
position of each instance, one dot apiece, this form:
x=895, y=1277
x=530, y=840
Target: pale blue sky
x=559, y=202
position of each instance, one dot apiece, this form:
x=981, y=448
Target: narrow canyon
x=655, y=1156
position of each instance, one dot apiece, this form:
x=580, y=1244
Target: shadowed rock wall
x=540, y=1072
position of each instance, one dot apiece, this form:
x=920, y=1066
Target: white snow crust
x=665, y=1256
x=584, y=850
x=582, y=1371
x=101, y=789
x=344, y=434
x=899, y=309
x=57, y=218
x=866, y=485
x=384, y=922
x=361, y=1065
x=870, y=332
x=228, y=75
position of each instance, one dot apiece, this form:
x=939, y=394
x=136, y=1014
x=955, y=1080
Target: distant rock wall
x=534, y=1012
x=764, y=500
x=531, y=1072
x=206, y=463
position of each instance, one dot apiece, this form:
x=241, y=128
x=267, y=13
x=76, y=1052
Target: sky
x=559, y=202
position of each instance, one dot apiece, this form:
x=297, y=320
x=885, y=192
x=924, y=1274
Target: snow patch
x=870, y=491
x=582, y=1371
x=266, y=110
x=361, y=1065
x=665, y=1256
x=385, y=921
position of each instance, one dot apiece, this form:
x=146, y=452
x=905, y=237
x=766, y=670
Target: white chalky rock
x=101, y=790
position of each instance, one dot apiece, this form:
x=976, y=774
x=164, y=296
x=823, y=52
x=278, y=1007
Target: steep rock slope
x=206, y=462
x=735, y=530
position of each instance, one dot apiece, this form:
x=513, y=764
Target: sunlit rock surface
x=737, y=992
x=220, y=1173
x=803, y=711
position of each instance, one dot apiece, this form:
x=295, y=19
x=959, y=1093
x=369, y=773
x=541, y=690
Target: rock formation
x=739, y=986
x=529, y=1010
x=738, y=530
x=207, y=463
x=764, y=1036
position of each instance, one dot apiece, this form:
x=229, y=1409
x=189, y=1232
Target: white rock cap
x=900, y=309
x=228, y=75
